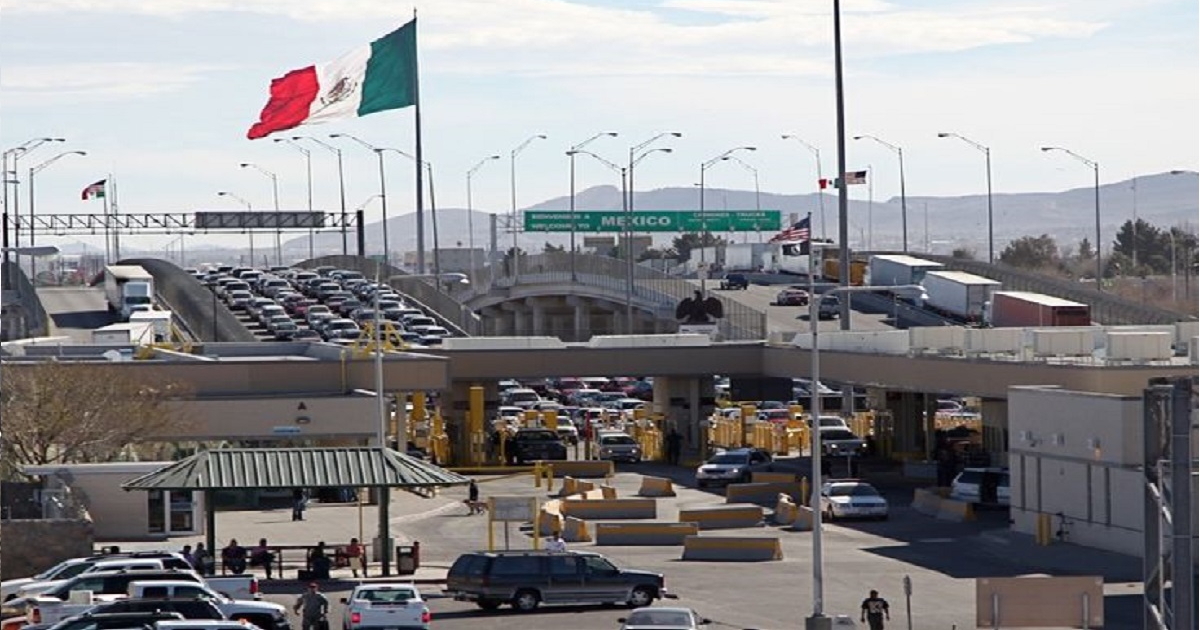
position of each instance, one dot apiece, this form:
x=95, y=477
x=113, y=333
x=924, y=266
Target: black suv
x=526, y=579
x=735, y=281
x=188, y=608
x=529, y=445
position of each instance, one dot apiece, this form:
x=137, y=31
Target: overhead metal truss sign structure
x=181, y=222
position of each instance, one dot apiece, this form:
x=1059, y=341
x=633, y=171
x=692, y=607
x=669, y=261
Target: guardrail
x=34, y=321
x=193, y=302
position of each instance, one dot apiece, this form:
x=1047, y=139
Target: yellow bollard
x=804, y=498
x=537, y=474
x=549, y=477
x=1043, y=529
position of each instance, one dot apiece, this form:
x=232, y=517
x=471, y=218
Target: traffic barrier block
x=772, y=477
x=764, y=493
x=608, y=492
x=723, y=516
x=644, y=533
x=575, y=530
x=593, y=509
x=732, y=549
x=570, y=486
x=581, y=469
x=656, y=487
x=951, y=510
x=550, y=520
x=926, y=501
x=584, y=487
x=785, y=510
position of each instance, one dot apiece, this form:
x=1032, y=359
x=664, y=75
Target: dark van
x=527, y=579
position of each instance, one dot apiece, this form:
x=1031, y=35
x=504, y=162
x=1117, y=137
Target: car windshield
x=386, y=595
x=853, y=490
x=729, y=458
x=538, y=436
x=617, y=439
x=838, y=434
x=667, y=618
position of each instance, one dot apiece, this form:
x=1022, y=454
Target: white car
x=382, y=605
x=967, y=485
x=852, y=499
x=663, y=618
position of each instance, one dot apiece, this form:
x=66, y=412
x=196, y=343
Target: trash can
x=408, y=558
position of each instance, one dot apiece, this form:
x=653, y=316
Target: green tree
x=551, y=248
x=685, y=243
x=1030, y=252
x=963, y=253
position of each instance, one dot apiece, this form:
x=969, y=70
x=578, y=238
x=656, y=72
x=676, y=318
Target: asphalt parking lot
x=942, y=559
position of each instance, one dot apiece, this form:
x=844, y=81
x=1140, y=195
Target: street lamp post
x=308, y=173
x=34, y=170
x=341, y=186
x=13, y=215
x=987, y=157
x=249, y=209
x=275, y=199
x=634, y=159
x=571, y=156
x=471, y=209
x=820, y=195
x=903, y=197
x=387, y=252
x=704, y=166
x=512, y=182
x=1095, y=166
x=432, y=209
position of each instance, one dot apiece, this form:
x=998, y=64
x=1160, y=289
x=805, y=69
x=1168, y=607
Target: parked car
x=852, y=499
x=380, y=606
x=567, y=431
x=618, y=447
x=969, y=485
x=735, y=281
x=663, y=618
x=733, y=466
x=791, y=296
x=829, y=307
x=112, y=621
x=188, y=608
x=841, y=441
x=527, y=579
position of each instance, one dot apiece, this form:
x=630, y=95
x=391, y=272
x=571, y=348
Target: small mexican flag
x=95, y=190
x=372, y=78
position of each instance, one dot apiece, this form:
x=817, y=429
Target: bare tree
x=70, y=413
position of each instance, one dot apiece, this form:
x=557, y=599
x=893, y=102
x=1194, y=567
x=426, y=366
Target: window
x=595, y=565
x=563, y=567
x=191, y=592
x=517, y=565
x=391, y=596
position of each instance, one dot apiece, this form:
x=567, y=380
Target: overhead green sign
x=653, y=221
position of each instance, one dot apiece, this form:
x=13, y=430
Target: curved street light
x=34, y=170
x=571, y=154
x=249, y=208
x=817, y=154
x=341, y=186
x=308, y=172
x=987, y=158
x=382, y=195
x=471, y=208
x=275, y=198
x=1095, y=166
x=512, y=182
x=704, y=166
x=903, y=197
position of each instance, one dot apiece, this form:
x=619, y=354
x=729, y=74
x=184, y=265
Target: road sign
x=520, y=509
x=653, y=221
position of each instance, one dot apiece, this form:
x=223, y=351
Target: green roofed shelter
x=289, y=468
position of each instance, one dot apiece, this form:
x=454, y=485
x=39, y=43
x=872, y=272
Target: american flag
x=797, y=231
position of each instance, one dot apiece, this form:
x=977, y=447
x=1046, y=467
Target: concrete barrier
x=763, y=493
x=656, y=487
x=570, y=485
x=732, y=549
x=582, y=469
x=804, y=519
x=550, y=519
x=926, y=501
x=575, y=530
x=951, y=510
x=593, y=509
x=773, y=477
x=723, y=516
x=644, y=533
x=785, y=510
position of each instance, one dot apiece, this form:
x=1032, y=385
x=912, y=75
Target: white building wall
x=1078, y=454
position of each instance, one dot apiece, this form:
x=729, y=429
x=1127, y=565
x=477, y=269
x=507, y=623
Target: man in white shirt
x=556, y=544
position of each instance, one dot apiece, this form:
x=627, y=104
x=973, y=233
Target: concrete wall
x=1077, y=453
x=34, y=546
x=116, y=514
x=287, y=416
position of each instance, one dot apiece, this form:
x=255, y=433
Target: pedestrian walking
x=313, y=608
x=298, y=504
x=357, y=556
x=473, y=492
x=875, y=610
x=674, y=446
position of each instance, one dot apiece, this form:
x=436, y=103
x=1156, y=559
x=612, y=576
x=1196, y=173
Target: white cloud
x=92, y=82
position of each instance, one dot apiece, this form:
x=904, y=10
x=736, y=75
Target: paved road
x=75, y=311
x=942, y=558
x=794, y=319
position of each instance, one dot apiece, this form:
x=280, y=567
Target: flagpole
x=112, y=183
x=419, y=163
x=107, y=227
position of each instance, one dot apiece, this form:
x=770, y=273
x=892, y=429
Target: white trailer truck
x=125, y=334
x=128, y=288
x=160, y=320
x=959, y=294
x=898, y=269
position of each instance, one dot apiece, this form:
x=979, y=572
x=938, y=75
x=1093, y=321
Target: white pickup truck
x=119, y=564
x=67, y=569
x=265, y=615
x=86, y=590
x=378, y=606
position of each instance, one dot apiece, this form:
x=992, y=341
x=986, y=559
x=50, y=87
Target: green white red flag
x=94, y=191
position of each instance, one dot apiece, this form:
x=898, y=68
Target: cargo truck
x=125, y=334
x=128, y=288
x=160, y=320
x=897, y=269
x=1022, y=309
x=958, y=294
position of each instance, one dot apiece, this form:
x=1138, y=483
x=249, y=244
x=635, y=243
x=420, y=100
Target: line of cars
x=322, y=304
x=134, y=589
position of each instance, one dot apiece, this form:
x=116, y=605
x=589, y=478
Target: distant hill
x=1163, y=199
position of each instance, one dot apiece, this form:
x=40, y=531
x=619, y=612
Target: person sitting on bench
x=319, y=562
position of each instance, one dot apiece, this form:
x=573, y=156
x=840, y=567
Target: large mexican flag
x=372, y=78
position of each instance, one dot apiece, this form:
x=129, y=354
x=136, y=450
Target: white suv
x=968, y=485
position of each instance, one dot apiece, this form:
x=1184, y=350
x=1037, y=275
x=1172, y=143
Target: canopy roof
x=282, y=468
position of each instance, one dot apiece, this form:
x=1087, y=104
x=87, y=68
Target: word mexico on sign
x=653, y=221
x=258, y=220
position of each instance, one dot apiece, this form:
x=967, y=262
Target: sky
x=160, y=94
